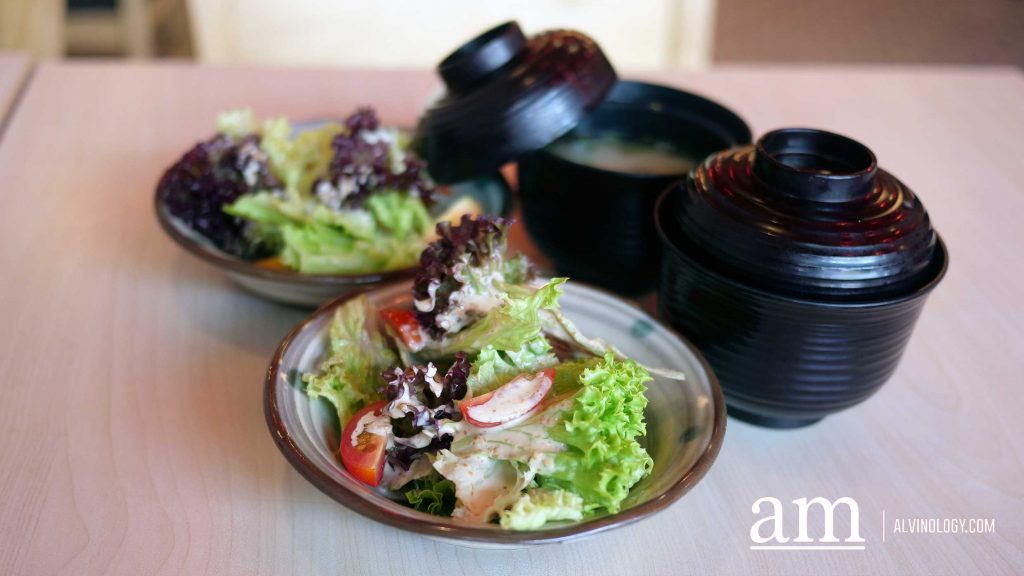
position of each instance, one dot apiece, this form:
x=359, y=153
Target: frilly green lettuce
x=306, y=158
x=316, y=240
x=603, y=459
x=318, y=249
x=238, y=123
x=400, y=214
x=433, y=494
x=537, y=506
x=567, y=375
x=262, y=207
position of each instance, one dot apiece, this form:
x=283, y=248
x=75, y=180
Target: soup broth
x=618, y=155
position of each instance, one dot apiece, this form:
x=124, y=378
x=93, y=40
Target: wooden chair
x=33, y=26
x=649, y=34
x=129, y=30
x=45, y=28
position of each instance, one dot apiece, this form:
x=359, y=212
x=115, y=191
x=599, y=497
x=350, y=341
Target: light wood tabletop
x=131, y=374
x=14, y=69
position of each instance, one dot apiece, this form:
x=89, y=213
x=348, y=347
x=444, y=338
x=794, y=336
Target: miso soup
x=619, y=155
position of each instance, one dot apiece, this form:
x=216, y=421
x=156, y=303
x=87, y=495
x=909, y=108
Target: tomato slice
x=518, y=397
x=405, y=326
x=363, y=455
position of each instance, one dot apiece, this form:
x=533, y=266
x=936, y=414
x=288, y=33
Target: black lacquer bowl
x=595, y=223
x=506, y=95
x=799, y=268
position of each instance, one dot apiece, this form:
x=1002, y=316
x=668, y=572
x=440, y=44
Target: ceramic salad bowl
x=685, y=420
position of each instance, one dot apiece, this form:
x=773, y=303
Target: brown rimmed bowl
x=685, y=420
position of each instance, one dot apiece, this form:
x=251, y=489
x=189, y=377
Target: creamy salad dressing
x=372, y=423
x=478, y=295
x=250, y=161
x=395, y=478
x=388, y=136
x=522, y=443
x=478, y=461
x=406, y=402
x=483, y=486
x=251, y=172
x=333, y=195
x=427, y=304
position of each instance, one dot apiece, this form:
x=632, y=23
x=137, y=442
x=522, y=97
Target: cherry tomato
x=363, y=455
x=405, y=326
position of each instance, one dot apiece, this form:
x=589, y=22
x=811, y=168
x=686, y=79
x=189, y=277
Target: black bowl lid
x=508, y=95
x=806, y=213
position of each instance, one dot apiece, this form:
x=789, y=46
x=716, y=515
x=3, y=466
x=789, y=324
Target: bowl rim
x=221, y=260
x=436, y=527
x=941, y=253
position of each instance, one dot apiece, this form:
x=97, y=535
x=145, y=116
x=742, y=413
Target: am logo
x=768, y=531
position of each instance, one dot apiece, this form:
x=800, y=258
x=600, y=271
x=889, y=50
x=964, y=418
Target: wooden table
x=133, y=435
x=14, y=69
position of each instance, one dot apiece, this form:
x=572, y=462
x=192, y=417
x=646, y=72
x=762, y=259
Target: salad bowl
x=491, y=193
x=685, y=420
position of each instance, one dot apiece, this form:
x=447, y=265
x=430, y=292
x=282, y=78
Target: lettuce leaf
x=262, y=208
x=494, y=367
x=433, y=494
x=603, y=459
x=537, y=506
x=400, y=213
x=508, y=326
x=320, y=249
x=238, y=123
x=567, y=375
x=350, y=375
x=323, y=241
x=359, y=224
x=308, y=158
x=276, y=141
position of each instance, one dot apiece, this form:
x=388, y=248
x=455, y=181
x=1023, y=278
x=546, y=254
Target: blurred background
x=643, y=34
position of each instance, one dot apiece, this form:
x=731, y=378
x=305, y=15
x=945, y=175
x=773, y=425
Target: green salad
x=340, y=198
x=482, y=401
